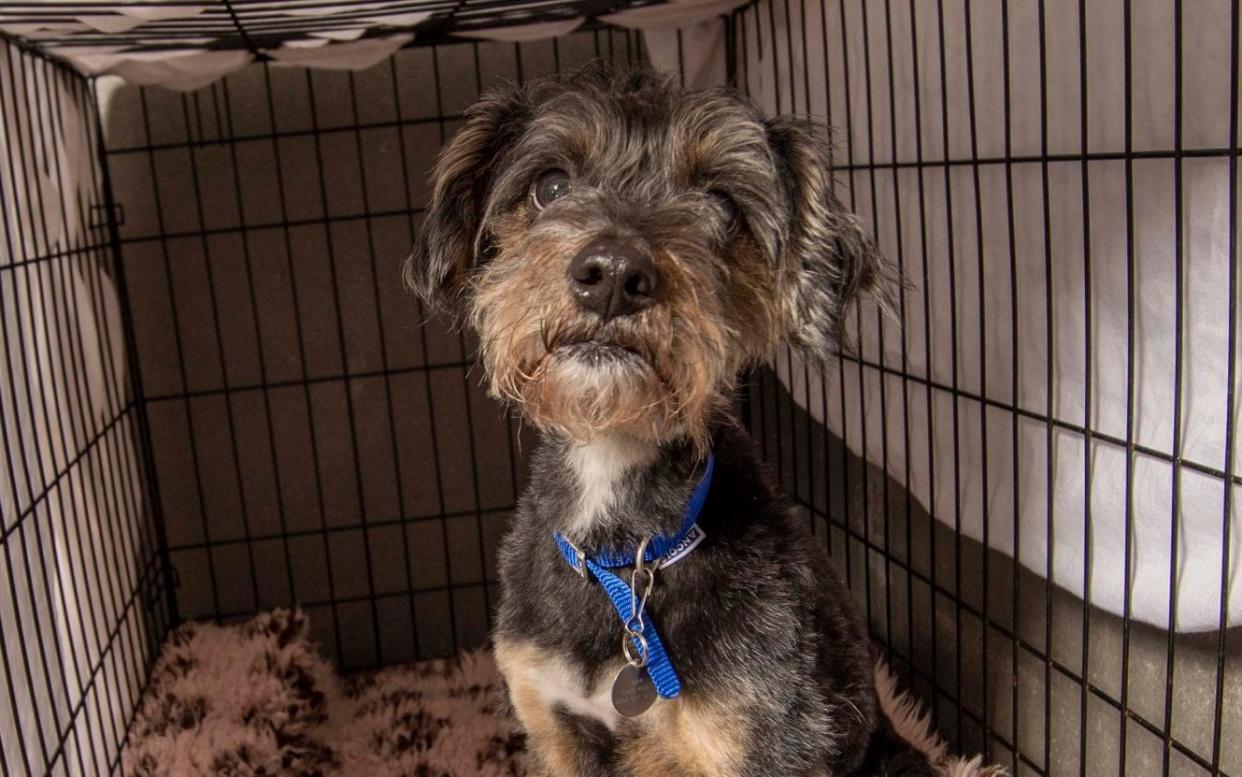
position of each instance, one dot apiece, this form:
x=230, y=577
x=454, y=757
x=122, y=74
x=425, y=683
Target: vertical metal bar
x=953, y=383
x=301, y=338
x=745, y=51
x=1230, y=394
x=791, y=403
x=1050, y=345
x=845, y=427
x=777, y=395
x=928, y=356
x=908, y=502
x=681, y=60
x=1087, y=391
x=170, y=290
x=346, y=372
x=422, y=335
x=1178, y=344
x=243, y=227
x=885, y=503
x=1127, y=571
x=822, y=368
x=983, y=374
x=806, y=364
x=1014, y=384
x=222, y=364
x=448, y=565
x=759, y=429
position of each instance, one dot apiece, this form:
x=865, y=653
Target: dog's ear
x=828, y=260
x=452, y=236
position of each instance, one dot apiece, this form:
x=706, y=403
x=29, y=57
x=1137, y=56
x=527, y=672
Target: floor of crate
x=258, y=699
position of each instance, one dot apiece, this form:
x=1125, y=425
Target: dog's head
x=624, y=247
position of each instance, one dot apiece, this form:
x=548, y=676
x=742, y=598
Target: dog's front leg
x=690, y=737
x=564, y=744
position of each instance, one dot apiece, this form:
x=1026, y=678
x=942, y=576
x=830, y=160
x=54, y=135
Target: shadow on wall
x=924, y=588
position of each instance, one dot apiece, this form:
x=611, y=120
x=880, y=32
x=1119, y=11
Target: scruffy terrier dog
x=623, y=248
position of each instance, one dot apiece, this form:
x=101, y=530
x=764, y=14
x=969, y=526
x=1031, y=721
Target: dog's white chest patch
x=558, y=684
x=600, y=466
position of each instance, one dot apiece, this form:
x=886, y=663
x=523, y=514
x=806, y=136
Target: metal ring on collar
x=627, y=649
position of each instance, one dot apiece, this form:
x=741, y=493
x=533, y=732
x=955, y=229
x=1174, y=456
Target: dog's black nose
x=612, y=278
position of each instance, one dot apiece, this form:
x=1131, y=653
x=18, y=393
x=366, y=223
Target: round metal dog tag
x=633, y=693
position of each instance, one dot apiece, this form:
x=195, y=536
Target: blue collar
x=662, y=550
x=667, y=548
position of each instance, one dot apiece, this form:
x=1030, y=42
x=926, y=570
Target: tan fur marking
x=753, y=299
x=553, y=746
x=686, y=737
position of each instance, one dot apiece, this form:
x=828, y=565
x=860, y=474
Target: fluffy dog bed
x=257, y=700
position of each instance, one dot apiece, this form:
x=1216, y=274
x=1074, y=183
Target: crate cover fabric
x=126, y=38
x=74, y=528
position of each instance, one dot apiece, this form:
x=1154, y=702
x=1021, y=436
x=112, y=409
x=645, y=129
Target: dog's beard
x=586, y=390
x=585, y=384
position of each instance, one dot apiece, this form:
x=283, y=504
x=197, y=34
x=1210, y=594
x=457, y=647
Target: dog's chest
x=599, y=469
x=550, y=681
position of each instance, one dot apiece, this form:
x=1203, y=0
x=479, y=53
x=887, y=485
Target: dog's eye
x=551, y=186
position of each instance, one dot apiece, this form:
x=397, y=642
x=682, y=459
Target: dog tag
x=633, y=693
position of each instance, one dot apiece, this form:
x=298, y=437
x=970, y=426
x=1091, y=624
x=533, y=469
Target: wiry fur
x=911, y=723
x=772, y=656
x=909, y=720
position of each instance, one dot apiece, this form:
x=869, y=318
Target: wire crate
x=216, y=398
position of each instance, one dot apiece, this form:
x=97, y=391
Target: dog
x=623, y=249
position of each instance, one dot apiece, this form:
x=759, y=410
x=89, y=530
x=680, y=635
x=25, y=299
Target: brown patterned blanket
x=257, y=700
